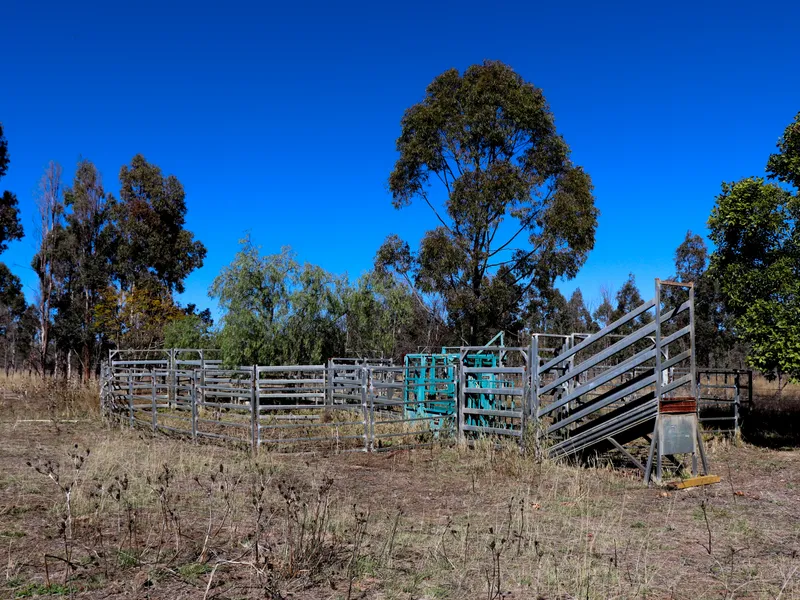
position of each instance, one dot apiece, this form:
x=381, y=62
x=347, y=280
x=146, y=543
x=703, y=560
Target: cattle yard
x=631, y=390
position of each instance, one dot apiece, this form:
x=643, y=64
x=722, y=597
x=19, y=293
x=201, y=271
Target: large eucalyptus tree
x=514, y=212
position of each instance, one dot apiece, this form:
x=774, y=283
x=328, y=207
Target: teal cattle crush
x=431, y=379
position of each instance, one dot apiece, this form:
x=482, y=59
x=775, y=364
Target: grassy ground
x=102, y=512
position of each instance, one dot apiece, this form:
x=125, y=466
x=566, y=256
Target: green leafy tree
x=16, y=336
x=691, y=259
x=380, y=317
x=785, y=164
x=580, y=318
x=551, y=312
x=516, y=213
x=756, y=263
x=84, y=253
x=10, y=226
x=603, y=314
x=129, y=257
x=547, y=312
x=715, y=343
x=627, y=299
x=314, y=330
x=189, y=331
x=152, y=242
x=757, y=266
x=276, y=311
x=253, y=296
x=12, y=299
x=138, y=318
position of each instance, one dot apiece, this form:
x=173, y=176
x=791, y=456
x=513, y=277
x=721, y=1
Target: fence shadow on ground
x=773, y=421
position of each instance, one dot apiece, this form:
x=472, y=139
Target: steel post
x=254, y=409
x=460, y=401
x=153, y=399
x=364, y=407
x=130, y=396
x=193, y=400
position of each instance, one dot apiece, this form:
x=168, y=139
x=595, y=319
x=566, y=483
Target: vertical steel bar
x=659, y=456
x=102, y=389
x=692, y=358
x=702, y=451
x=364, y=408
x=568, y=367
x=172, y=385
x=695, y=391
x=254, y=408
x=193, y=400
x=658, y=370
x=130, y=396
x=371, y=445
x=534, y=360
x=153, y=398
x=658, y=383
x=736, y=401
x=700, y=377
x=460, y=400
x=328, y=384
x=524, y=403
x=653, y=442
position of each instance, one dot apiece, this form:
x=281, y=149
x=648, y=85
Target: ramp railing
x=631, y=382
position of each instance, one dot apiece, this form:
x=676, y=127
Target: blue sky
x=280, y=119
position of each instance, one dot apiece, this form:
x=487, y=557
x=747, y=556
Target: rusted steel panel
x=678, y=405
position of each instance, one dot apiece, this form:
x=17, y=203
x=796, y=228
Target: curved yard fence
x=294, y=408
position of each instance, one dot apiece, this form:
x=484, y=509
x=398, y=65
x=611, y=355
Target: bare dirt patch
x=154, y=517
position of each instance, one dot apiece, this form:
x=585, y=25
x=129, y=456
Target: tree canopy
x=10, y=226
x=516, y=212
x=192, y=330
x=276, y=311
x=109, y=268
x=756, y=264
x=16, y=334
x=149, y=219
x=784, y=165
x=381, y=314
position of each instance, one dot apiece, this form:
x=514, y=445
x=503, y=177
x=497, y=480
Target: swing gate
x=723, y=396
x=493, y=400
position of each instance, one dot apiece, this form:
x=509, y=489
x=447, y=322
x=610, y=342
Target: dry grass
x=162, y=518
x=25, y=396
